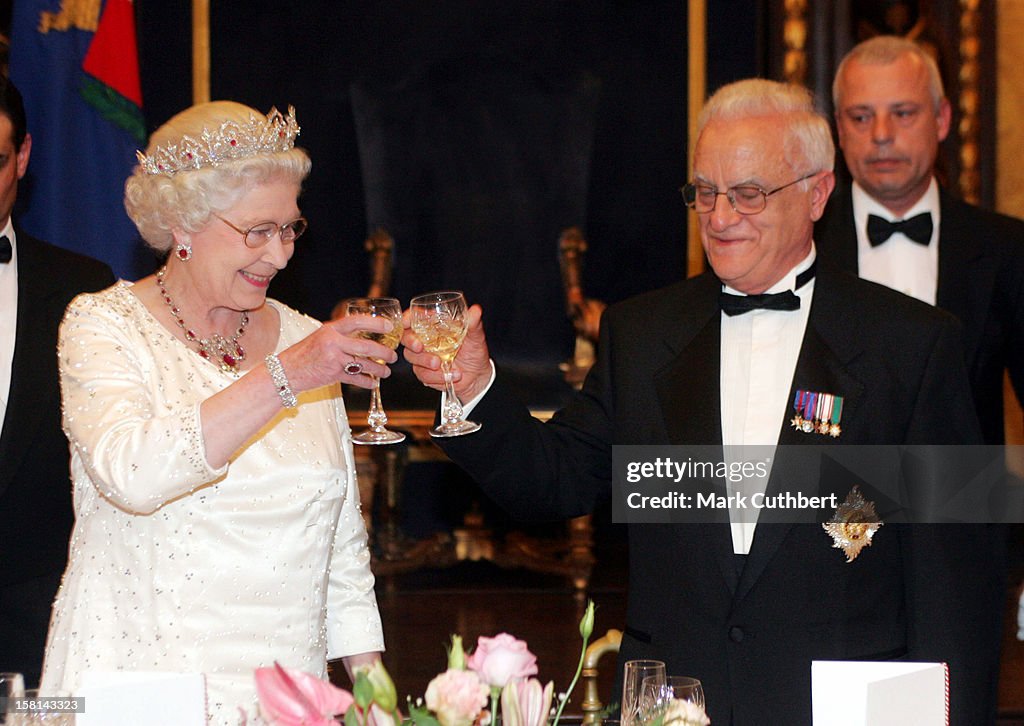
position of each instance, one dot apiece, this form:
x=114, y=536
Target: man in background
x=896, y=226
x=37, y=280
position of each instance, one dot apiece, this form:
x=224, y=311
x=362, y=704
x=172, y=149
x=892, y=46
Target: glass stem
x=452, y=406
x=376, y=417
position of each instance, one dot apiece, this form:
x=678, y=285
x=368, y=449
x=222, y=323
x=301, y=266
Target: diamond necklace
x=223, y=352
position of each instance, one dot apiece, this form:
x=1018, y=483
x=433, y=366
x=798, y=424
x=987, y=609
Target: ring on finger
x=353, y=368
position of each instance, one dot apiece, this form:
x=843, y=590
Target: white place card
x=879, y=693
x=121, y=698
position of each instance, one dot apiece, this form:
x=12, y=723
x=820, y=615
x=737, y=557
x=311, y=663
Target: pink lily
x=524, y=703
x=292, y=698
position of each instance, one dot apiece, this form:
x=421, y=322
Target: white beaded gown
x=175, y=566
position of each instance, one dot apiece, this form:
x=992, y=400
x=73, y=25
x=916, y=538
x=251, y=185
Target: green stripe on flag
x=114, y=107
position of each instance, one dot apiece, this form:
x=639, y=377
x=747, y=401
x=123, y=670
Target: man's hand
x=471, y=369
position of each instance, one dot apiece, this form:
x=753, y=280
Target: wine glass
x=12, y=685
x=634, y=673
x=439, y=319
x=658, y=692
x=378, y=307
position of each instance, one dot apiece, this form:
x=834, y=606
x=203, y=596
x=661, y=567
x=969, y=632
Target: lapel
x=966, y=273
x=821, y=367
x=33, y=386
x=689, y=392
x=688, y=386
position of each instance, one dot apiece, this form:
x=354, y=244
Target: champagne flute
x=378, y=307
x=634, y=673
x=439, y=319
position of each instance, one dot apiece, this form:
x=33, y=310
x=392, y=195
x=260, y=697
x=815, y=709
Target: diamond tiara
x=233, y=140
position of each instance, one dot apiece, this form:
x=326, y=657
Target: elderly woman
x=217, y=515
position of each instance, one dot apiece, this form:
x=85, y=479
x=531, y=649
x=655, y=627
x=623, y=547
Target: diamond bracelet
x=284, y=389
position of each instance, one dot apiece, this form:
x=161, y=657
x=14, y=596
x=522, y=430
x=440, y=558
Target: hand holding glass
x=634, y=673
x=439, y=320
x=378, y=307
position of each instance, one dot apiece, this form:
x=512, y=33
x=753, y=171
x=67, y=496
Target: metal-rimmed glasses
x=744, y=198
x=262, y=232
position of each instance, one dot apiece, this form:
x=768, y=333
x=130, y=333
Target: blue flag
x=76, y=66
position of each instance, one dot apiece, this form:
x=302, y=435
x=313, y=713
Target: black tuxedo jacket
x=981, y=282
x=751, y=634
x=35, y=489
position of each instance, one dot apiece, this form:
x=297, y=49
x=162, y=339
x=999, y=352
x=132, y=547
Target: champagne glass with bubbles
x=439, y=319
x=378, y=307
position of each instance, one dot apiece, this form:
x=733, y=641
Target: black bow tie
x=5, y=250
x=785, y=300
x=918, y=228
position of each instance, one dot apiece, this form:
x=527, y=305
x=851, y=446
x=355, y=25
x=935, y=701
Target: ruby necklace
x=223, y=352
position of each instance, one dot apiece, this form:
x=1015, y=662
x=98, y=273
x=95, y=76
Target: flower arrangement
x=495, y=678
x=682, y=713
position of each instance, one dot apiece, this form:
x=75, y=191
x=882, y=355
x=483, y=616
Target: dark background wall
x=272, y=53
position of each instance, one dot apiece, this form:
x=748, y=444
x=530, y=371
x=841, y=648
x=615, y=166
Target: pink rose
x=456, y=697
x=501, y=659
x=292, y=698
x=525, y=703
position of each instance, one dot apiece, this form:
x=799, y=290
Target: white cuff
x=468, y=406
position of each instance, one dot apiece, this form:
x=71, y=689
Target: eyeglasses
x=745, y=198
x=261, y=233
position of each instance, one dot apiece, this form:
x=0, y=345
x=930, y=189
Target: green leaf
x=421, y=716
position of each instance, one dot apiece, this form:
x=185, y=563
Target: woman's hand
x=335, y=352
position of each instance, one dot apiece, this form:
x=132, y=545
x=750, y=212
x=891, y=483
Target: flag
x=76, y=65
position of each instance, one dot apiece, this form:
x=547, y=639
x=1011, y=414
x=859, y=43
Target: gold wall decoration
x=200, y=51
x=1009, y=108
x=696, y=88
x=1009, y=171
x=969, y=101
x=794, y=36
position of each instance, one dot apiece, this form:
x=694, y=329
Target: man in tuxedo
x=897, y=226
x=718, y=360
x=37, y=280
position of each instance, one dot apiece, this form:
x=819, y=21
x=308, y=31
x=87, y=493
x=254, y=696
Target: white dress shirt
x=899, y=262
x=8, y=319
x=759, y=352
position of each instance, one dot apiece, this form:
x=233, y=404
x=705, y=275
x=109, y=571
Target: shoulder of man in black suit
x=668, y=304
x=918, y=346
x=76, y=270
x=995, y=231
